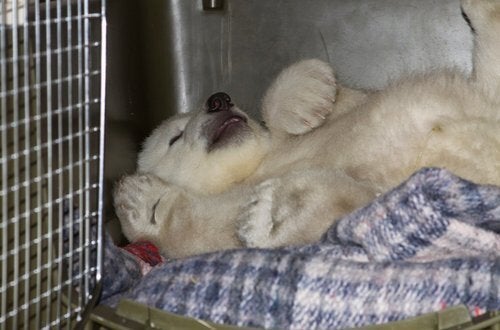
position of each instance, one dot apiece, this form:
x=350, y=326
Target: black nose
x=219, y=102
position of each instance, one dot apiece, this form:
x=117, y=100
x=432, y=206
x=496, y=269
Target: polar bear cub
x=216, y=179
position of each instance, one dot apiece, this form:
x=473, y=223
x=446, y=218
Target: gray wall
x=167, y=56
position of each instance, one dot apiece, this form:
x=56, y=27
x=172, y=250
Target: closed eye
x=175, y=138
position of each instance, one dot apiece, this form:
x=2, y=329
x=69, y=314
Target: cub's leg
x=300, y=98
x=299, y=207
x=484, y=16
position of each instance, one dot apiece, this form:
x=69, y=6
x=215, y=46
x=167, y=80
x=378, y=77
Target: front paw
x=301, y=97
x=255, y=221
x=135, y=199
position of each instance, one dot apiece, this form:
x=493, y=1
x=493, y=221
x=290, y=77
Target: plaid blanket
x=430, y=243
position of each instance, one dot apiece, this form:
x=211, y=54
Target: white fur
x=328, y=150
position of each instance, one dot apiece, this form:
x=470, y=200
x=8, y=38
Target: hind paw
x=301, y=97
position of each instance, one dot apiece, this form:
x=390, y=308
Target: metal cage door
x=52, y=55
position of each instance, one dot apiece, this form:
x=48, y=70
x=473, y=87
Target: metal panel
x=189, y=52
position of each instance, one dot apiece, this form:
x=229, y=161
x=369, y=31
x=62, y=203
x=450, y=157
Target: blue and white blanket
x=430, y=243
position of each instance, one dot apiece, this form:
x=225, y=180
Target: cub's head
x=205, y=151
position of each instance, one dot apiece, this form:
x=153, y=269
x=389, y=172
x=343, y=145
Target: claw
x=307, y=123
x=320, y=115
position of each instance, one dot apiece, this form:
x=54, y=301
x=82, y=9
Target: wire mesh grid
x=51, y=155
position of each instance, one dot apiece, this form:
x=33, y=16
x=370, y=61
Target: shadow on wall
x=125, y=109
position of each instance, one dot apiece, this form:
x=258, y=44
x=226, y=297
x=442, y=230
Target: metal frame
x=52, y=74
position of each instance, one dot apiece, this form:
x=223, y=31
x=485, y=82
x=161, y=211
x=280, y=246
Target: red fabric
x=146, y=251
